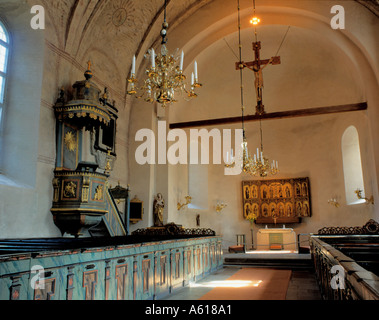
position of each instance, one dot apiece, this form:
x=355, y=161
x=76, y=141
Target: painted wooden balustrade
x=144, y=271
x=342, y=276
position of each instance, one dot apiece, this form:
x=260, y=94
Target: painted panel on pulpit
x=277, y=201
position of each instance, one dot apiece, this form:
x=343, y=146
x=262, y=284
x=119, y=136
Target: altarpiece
x=281, y=201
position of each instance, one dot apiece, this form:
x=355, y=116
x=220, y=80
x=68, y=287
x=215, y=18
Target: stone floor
x=303, y=286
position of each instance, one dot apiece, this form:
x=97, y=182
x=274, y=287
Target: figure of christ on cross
x=257, y=66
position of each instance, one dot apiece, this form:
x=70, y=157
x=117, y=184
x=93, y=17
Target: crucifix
x=257, y=66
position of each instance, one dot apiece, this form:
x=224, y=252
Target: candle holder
x=368, y=200
x=165, y=78
x=334, y=202
x=220, y=206
x=188, y=201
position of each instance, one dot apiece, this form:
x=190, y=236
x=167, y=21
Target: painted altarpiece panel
x=283, y=201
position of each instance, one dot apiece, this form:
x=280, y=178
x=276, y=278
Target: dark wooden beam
x=251, y=64
x=273, y=116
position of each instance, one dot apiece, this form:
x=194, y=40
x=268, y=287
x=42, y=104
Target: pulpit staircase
x=112, y=224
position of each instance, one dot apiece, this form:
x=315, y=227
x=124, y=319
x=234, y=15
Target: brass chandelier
x=259, y=164
x=165, y=79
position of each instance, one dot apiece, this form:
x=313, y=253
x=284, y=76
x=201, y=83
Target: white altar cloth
x=267, y=239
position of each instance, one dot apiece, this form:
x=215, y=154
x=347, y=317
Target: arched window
x=352, y=165
x=4, y=53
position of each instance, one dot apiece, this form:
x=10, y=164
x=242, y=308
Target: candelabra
x=259, y=165
x=220, y=206
x=165, y=78
x=188, y=201
x=368, y=200
x=262, y=167
x=334, y=202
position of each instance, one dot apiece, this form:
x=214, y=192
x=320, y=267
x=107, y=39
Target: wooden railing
x=63, y=269
x=346, y=266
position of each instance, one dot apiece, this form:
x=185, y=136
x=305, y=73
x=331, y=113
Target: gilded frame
x=136, y=211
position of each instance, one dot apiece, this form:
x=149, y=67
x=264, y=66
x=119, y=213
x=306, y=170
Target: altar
x=276, y=239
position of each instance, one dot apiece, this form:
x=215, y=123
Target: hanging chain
x=165, y=25
x=255, y=29
x=241, y=67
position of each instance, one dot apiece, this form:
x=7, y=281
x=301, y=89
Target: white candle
x=152, y=58
x=277, y=165
x=182, y=61
x=227, y=157
x=134, y=66
x=232, y=154
x=193, y=79
x=258, y=153
x=196, y=74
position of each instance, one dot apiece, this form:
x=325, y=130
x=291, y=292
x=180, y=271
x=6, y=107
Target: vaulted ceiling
x=112, y=31
x=115, y=23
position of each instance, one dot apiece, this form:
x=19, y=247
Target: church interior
x=154, y=145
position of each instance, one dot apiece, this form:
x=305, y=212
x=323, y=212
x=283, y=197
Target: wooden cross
x=257, y=66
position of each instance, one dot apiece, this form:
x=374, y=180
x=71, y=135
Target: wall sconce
x=334, y=202
x=359, y=195
x=188, y=201
x=220, y=206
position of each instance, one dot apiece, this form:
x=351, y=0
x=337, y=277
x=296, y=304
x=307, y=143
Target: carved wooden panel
x=15, y=289
x=70, y=283
x=122, y=281
x=89, y=283
x=45, y=290
x=163, y=269
x=177, y=265
x=189, y=262
x=146, y=266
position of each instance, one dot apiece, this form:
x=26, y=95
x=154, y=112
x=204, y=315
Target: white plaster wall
x=39, y=67
x=314, y=73
x=27, y=154
x=319, y=68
